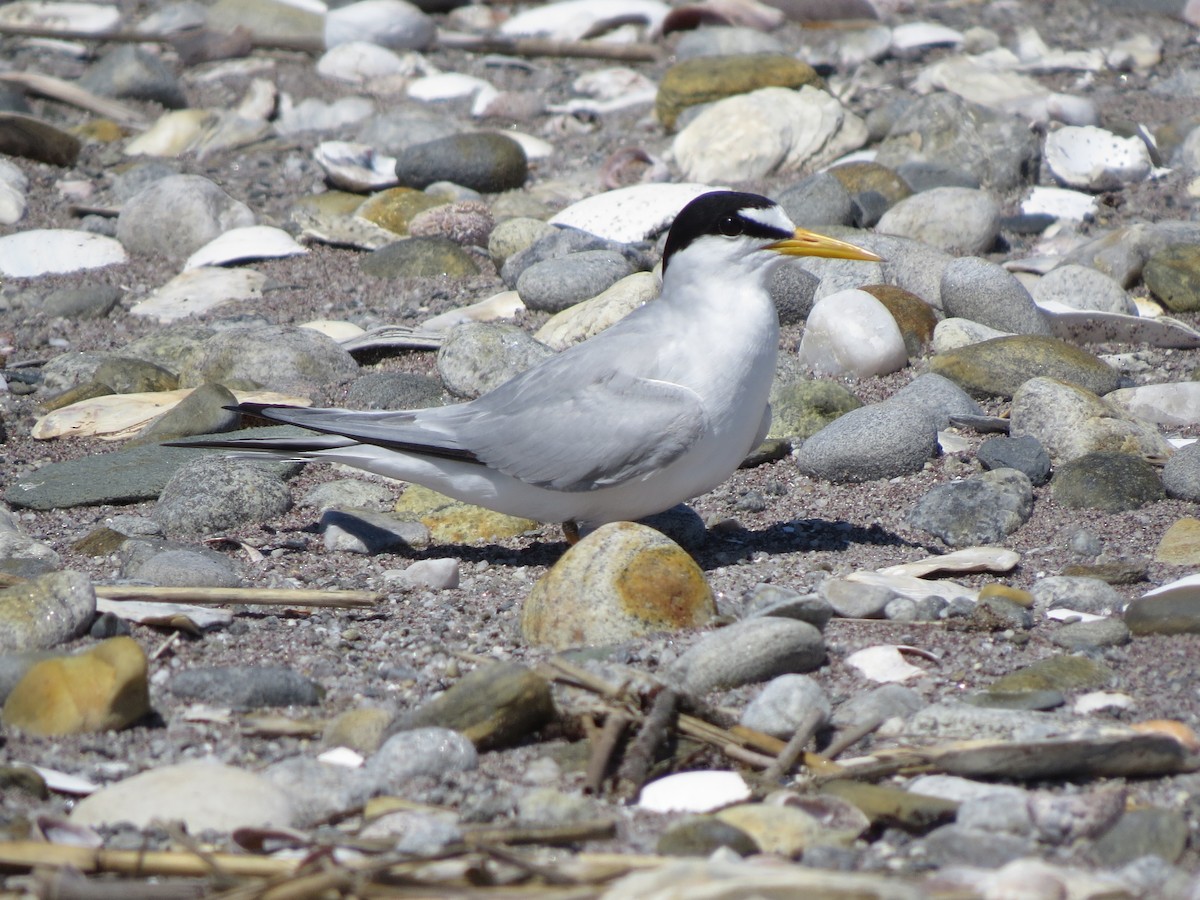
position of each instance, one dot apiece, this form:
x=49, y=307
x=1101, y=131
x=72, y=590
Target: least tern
x=659, y=408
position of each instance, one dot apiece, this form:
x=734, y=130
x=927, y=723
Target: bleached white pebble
x=45, y=251
x=1096, y=159
x=852, y=333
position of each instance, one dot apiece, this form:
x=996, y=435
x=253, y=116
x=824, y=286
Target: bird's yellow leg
x=571, y=533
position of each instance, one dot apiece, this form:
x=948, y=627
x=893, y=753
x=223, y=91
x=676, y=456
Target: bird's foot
x=571, y=533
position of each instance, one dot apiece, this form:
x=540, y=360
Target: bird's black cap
x=719, y=212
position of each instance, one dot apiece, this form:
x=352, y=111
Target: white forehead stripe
x=771, y=217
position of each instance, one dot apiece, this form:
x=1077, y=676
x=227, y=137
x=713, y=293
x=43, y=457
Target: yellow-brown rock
x=103, y=689
x=394, y=208
x=1181, y=543
x=860, y=177
x=621, y=581
x=914, y=317
x=1016, y=595
x=451, y=521
x=707, y=79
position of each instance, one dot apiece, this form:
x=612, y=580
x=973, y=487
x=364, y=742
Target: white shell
x=884, y=664
x=335, y=329
x=571, y=20
x=503, y=305
x=534, y=147
x=196, y=291
x=1094, y=701
x=1093, y=326
x=90, y=17
x=243, y=244
x=173, y=133
x=1096, y=159
x=1062, y=203
x=44, y=251
x=1173, y=404
x=1188, y=586
x=358, y=62
x=969, y=559
x=915, y=588
x=919, y=35
x=695, y=792
x=118, y=416
x=447, y=86
x=632, y=213
x=356, y=167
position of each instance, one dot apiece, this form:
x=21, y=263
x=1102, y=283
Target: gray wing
x=570, y=436
x=544, y=427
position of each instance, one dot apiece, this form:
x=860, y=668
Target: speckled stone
x=707, y=79
x=623, y=580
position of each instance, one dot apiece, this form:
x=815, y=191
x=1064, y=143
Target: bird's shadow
x=721, y=547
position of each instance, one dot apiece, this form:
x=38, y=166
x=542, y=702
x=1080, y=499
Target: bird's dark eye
x=730, y=226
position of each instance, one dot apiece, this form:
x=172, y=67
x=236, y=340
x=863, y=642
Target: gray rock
x=394, y=390
x=1083, y=287
x=818, y=200
x=126, y=375
x=180, y=567
x=563, y=242
x=726, y=41
x=1094, y=635
x=957, y=220
x=911, y=265
x=853, y=600
x=130, y=73
x=427, y=752
x=68, y=370
x=785, y=603
x=348, y=492
x=1113, y=482
x=478, y=356
x=553, y=285
x=984, y=292
x=794, y=291
x=126, y=476
x=420, y=257
x=170, y=345
x=94, y=301
x=882, y=440
x=213, y=493
x=784, y=703
x=958, y=721
x=175, y=216
x=1153, y=831
x=1078, y=593
x=328, y=789
x=394, y=130
x=680, y=523
x=1004, y=811
x=981, y=510
x=246, y=687
x=924, y=176
x=1024, y=453
x=485, y=162
x=370, y=532
x=749, y=651
x=275, y=357
x=129, y=182
x=939, y=398
x=877, y=705
x=203, y=411
x=1181, y=474
x=394, y=24
x=1070, y=421
x=960, y=845
x=906, y=609
x=996, y=148
x=45, y=612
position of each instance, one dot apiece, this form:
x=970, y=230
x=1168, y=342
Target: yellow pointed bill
x=809, y=243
